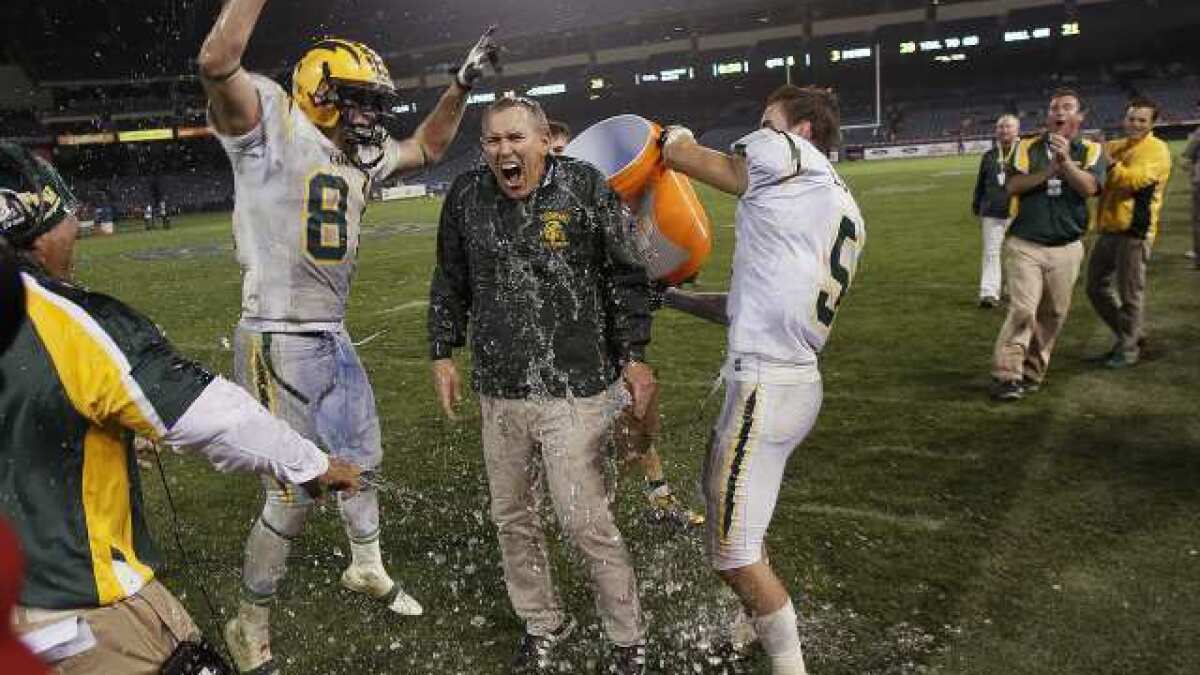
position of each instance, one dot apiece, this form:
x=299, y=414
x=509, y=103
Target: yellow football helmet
x=334, y=72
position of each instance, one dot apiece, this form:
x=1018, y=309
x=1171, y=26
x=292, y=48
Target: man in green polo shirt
x=1055, y=174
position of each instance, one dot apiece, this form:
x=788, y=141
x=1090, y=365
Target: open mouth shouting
x=512, y=174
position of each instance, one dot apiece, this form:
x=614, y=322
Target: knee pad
x=267, y=550
x=286, y=509
x=360, y=514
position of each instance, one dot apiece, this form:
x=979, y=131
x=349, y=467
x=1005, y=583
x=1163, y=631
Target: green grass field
x=922, y=527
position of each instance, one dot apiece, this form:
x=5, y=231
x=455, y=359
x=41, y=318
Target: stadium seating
x=621, y=43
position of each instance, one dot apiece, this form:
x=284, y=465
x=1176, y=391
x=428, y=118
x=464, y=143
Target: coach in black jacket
x=533, y=256
x=991, y=204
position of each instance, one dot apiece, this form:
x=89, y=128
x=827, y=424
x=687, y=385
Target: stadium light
x=87, y=139
x=1069, y=29
x=547, y=90
x=731, y=68
x=836, y=55
x=668, y=75
x=145, y=135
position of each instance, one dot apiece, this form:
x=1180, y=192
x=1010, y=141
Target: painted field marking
x=925, y=523
x=412, y=304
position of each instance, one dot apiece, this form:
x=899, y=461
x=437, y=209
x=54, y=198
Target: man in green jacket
x=533, y=256
x=84, y=374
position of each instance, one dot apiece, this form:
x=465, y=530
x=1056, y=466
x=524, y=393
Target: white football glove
x=485, y=52
x=675, y=133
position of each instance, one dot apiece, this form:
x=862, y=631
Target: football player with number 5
x=303, y=166
x=799, y=236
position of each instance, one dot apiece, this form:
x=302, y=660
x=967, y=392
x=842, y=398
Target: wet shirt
x=83, y=370
x=799, y=235
x=296, y=218
x=549, y=287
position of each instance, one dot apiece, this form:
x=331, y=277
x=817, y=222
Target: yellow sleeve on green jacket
x=95, y=374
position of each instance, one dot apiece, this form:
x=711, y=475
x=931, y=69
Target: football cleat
x=534, y=651
x=1120, y=359
x=250, y=647
x=374, y=581
x=1007, y=390
x=664, y=505
x=629, y=660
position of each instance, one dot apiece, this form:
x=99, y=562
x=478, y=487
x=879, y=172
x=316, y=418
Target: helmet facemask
x=361, y=111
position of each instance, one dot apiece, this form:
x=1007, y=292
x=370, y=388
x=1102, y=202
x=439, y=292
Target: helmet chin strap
x=360, y=138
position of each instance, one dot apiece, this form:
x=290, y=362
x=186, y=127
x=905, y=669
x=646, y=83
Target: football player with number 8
x=303, y=167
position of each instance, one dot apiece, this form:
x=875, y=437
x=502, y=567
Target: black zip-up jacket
x=556, y=299
x=991, y=198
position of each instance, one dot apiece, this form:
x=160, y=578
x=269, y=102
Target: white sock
x=255, y=620
x=366, y=555
x=780, y=637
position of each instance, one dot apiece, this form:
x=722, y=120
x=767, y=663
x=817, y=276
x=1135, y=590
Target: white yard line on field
x=921, y=454
x=911, y=522
x=412, y=304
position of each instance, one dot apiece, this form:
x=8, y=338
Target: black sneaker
x=1007, y=390
x=1030, y=385
x=988, y=302
x=629, y=660
x=534, y=651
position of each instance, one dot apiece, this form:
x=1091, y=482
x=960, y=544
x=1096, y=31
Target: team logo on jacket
x=554, y=234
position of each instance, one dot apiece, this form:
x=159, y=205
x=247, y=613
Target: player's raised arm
x=435, y=133
x=682, y=153
x=233, y=102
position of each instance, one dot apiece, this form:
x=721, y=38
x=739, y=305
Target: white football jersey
x=799, y=234
x=298, y=207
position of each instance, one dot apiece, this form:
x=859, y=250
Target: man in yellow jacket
x=1127, y=221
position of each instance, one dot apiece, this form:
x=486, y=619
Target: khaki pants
x=1040, y=281
x=571, y=435
x=133, y=637
x=1123, y=257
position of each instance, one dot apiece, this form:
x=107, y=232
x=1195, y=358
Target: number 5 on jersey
x=325, y=222
x=843, y=260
